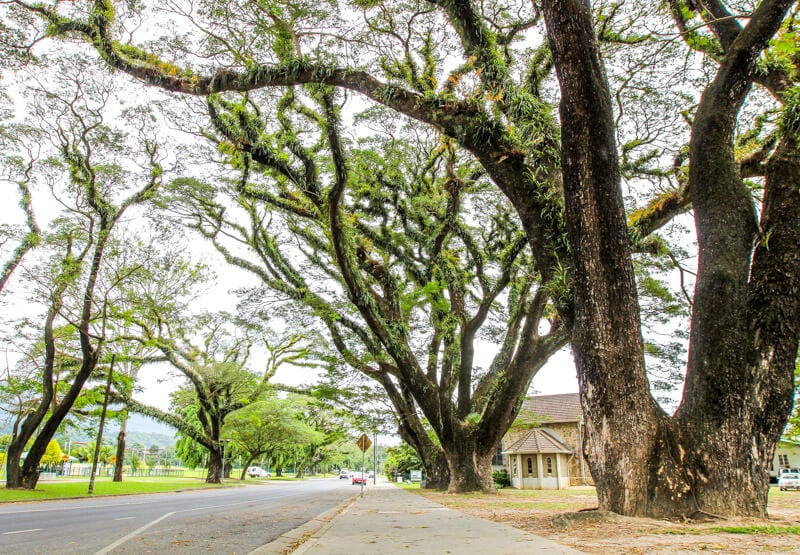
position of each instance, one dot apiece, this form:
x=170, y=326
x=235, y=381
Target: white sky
x=558, y=376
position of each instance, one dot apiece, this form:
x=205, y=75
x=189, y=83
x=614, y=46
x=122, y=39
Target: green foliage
x=417, y=248
x=52, y=456
x=135, y=462
x=790, y=115
x=367, y=3
x=501, y=478
x=782, y=53
x=85, y=453
x=401, y=460
x=270, y=427
x=559, y=289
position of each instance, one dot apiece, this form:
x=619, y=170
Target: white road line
x=13, y=512
x=123, y=539
x=125, y=518
x=21, y=531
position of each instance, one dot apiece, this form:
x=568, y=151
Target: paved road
x=232, y=521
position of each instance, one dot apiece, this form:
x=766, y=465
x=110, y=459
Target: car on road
x=371, y=474
x=789, y=480
x=359, y=478
x=344, y=474
x=257, y=472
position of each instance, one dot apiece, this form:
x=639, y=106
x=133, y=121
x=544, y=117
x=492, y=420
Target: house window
x=783, y=460
x=530, y=466
x=514, y=469
x=549, y=463
x=497, y=458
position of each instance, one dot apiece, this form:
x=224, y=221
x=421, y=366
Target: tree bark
x=29, y=474
x=14, y=473
x=719, y=442
x=215, y=469
x=120, y=462
x=437, y=471
x=470, y=467
x=245, y=467
x=606, y=338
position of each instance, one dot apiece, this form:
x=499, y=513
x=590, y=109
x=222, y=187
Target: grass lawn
x=104, y=486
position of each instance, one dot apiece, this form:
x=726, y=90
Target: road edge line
x=125, y=538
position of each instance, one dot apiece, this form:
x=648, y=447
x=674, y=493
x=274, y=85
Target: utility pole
x=375, y=458
x=363, y=444
x=99, y=441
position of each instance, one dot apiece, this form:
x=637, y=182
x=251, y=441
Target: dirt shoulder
x=552, y=514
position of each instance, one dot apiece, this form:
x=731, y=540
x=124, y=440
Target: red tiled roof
x=565, y=407
x=538, y=440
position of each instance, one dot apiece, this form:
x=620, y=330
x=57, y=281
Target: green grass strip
x=66, y=490
x=753, y=530
x=770, y=530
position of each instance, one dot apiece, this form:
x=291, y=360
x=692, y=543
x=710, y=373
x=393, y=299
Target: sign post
x=363, y=444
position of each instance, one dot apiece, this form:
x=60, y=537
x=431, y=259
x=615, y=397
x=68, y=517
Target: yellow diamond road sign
x=363, y=442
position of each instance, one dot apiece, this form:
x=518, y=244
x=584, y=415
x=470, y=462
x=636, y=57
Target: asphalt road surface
x=233, y=521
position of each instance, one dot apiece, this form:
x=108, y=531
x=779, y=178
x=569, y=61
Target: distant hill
x=141, y=429
x=146, y=439
x=140, y=423
x=145, y=431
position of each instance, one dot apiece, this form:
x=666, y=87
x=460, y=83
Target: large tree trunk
x=713, y=456
x=470, y=467
x=27, y=476
x=606, y=338
x=437, y=472
x=17, y=447
x=243, y=476
x=215, y=469
x=739, y=339
x=14, y=473
x=118, y=465
x=30, y=472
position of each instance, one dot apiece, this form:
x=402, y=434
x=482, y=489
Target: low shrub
x=501, y=479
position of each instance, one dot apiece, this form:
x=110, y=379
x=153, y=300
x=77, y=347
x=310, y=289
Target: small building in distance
x=787, y=455
x=543, y=449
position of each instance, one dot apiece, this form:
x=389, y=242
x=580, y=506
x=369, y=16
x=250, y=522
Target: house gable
x=538, y=440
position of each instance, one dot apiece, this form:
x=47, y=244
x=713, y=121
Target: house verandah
x=539, y=460
x=543, y=449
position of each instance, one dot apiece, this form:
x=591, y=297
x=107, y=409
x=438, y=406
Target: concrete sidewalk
x=390, y=520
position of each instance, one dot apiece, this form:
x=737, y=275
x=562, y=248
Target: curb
x=296, y=541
